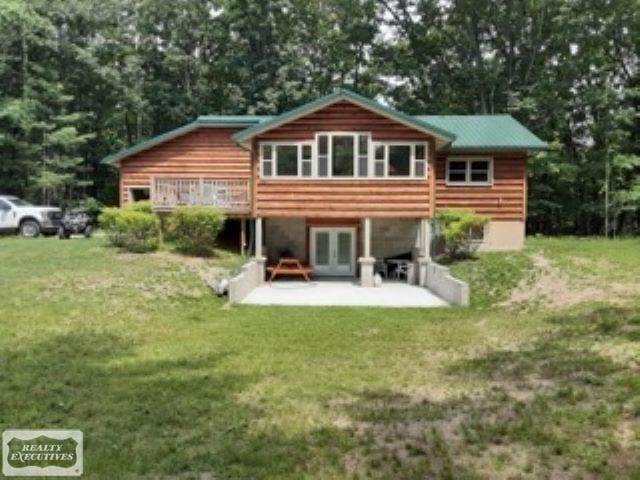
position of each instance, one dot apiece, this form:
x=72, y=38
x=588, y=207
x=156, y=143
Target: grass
x=165, y=381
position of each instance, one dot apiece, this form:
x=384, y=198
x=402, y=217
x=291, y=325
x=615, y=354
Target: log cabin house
x=340, y=182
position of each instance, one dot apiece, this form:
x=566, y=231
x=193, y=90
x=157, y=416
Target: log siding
x=209, y=152
x=344, y=197
x=206, y=152
x=505, y=199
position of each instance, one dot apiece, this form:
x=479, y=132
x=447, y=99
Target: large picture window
x=469, y=171
x=399, y=160
x=287, y=160
x=344, y=155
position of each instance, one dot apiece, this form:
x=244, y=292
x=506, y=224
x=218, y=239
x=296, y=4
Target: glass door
x=321, y=251
x=333, y=251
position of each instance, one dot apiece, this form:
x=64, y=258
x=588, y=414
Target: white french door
x=333, y=251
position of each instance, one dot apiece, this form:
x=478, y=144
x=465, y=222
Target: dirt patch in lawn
x=551, y=288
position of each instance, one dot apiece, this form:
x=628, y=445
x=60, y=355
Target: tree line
x=83, y=78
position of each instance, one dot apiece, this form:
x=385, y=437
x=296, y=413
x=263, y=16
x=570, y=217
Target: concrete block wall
x=439, y=280
x=250, y=276
x=391, y=237
x=285, y=234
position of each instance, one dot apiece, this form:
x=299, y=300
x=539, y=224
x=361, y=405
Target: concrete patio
x=342, y=293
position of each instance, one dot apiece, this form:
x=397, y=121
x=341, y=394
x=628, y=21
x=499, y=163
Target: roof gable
x=442, y=135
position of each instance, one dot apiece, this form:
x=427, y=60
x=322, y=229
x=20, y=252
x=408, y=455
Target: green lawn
x=165, y=381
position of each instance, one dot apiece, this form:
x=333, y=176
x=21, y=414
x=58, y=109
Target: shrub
x=143, y=206
x=456, y=227
x=130, y=229
x=107, y=221
x=194, y=229
x=92, y=206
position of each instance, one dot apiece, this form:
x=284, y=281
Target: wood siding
x=210, y=153
x=205, y=152
x=344, y=198
x=346, y=117
x=504, y=200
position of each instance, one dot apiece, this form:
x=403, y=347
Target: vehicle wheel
x=30, y=228
x=88, y=231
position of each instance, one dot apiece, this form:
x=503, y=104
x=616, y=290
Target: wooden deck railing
x=228, y=195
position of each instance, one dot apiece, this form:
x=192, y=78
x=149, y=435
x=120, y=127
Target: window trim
x=468, y=182
x=356, y=152
x=274, y=159
x=370, y=157
x=412, y=160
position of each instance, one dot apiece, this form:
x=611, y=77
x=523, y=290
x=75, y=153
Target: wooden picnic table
x=289, y=266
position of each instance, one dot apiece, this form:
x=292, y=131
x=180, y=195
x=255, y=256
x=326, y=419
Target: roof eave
x=493, y=148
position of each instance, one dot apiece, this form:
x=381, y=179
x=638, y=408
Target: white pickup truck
x=17, y=215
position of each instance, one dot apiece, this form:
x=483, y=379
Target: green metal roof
x=458, y=132
x=415, y=122
x=486, y=132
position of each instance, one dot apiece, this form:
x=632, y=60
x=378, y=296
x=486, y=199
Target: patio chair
x=401, y=270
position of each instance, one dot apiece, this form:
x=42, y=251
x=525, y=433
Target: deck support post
x=243, y=236
x=424, y=256
x=259, y=257
x=259, y=240
x=366, y=262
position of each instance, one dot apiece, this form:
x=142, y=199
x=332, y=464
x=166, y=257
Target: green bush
x=91, y=205
x=456, y=226
x=194, y=229
x=143, y=206
x=130, y=229
x=107, y=220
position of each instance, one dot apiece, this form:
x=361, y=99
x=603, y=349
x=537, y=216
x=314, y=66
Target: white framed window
x=343, y=155
x=476, y=171
x=286, y=159
x=400, y=160
x=266, y=160
x=306, y=159
x=380, y=160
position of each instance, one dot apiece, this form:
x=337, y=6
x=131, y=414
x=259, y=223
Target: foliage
x=456, y=227
x=195, y=229
x=91, y=205
x=80, y=82
x=130, y=229
x=107, y=221
x=143, y=206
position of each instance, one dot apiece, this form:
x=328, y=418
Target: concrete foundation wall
x=503, y=235
x=439, y=280
x=391, y=237
x=285, y=234
x=251, y=275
